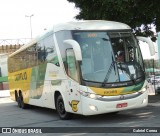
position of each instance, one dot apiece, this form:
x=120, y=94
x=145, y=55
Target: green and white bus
x=75, y=69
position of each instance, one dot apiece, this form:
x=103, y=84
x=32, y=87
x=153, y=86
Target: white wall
x=3, y=64
x=145, y=50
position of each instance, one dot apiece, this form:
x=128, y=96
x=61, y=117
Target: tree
x=141, y=15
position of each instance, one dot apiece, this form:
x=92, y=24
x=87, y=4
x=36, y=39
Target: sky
x=46, y=13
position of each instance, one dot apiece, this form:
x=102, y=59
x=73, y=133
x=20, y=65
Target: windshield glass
x=109, y=57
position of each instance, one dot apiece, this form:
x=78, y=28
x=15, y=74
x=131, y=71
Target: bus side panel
x=37, y=81
x=20, y=81
x=41, y=93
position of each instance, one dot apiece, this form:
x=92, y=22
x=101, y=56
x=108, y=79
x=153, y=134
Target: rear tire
x=20, y=101
x=61, y=109
x=16, y=96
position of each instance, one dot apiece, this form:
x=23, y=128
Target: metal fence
x=20, y=41
x=152, y=68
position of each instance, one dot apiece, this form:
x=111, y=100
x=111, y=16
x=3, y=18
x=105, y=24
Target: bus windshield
x=109, y=57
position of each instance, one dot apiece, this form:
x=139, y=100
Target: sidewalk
x=4, y=93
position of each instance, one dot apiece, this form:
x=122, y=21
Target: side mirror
x=149, y=42
x=76, y=47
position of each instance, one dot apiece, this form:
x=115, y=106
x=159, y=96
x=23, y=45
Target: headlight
x=93, y=96
x=90, y=95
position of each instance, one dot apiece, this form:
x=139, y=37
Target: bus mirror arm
x=149, y=42
x=76, y=48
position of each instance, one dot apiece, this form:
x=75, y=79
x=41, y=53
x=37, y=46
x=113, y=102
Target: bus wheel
x=61, y=109
x=21, y=103
x=18, y=102
x=16, y=96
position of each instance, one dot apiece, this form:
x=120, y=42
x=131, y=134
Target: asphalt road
x=12, y=116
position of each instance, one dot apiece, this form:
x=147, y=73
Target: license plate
x=122, y=105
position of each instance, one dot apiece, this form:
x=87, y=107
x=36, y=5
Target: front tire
x=60, y=107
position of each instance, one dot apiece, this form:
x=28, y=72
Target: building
x=7, y=47
x=3, y=71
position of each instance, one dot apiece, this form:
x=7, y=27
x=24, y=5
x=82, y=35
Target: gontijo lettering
x=21, y=76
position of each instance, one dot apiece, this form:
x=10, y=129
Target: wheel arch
x=56, y=94
x=65, y=115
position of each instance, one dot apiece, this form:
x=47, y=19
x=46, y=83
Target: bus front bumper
x=93, y=106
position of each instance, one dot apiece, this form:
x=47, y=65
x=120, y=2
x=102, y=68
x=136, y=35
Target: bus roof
x=91, y=25
x=78, y=25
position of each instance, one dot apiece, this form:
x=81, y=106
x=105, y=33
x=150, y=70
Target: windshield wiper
x=109, y=72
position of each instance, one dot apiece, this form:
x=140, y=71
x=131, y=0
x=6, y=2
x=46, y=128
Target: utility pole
x=30, y=23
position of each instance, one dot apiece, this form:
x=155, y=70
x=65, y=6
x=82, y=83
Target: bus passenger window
x=50, y=54
x=41, y=55
x=32, y=52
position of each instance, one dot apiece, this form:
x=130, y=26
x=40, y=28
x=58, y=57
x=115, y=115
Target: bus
x=84, y=67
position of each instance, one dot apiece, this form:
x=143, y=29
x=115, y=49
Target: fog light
x=94, y=108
